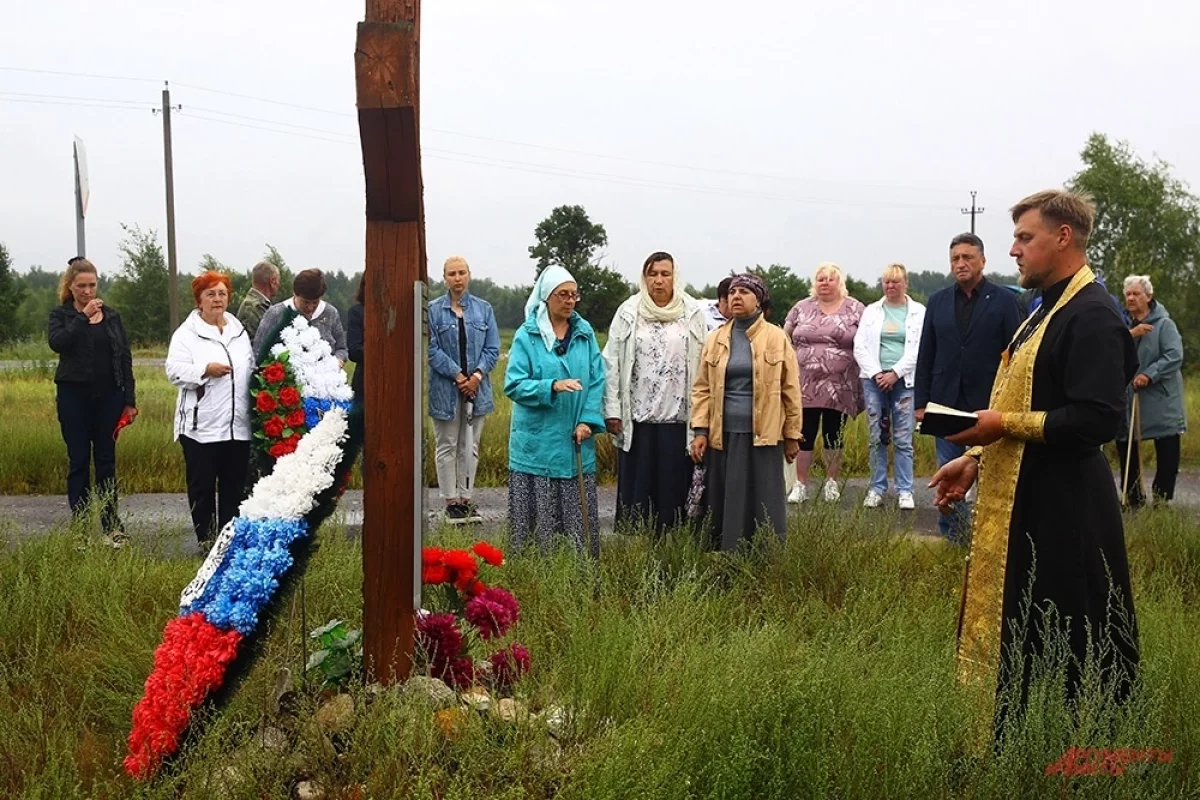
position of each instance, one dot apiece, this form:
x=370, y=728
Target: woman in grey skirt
x=746, y=417
x=555, y=379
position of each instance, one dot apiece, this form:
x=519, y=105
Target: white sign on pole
x=81, y=176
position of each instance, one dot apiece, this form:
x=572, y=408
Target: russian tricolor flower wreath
x=306, y=439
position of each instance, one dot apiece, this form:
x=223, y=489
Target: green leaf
x=326, y=628
x=317, y=659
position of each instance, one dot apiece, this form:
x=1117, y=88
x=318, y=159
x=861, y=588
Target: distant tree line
x=1148, y=223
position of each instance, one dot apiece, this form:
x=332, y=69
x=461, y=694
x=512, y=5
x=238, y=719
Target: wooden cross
x=387, y=70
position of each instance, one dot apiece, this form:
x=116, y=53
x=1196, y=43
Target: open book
x=943, y=421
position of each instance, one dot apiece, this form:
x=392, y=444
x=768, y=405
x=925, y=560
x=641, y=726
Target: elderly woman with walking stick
x=746, y=417
x=555, y=379
x=1156, y=402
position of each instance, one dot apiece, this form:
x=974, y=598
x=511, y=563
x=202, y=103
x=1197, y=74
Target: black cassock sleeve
x=1095, y=358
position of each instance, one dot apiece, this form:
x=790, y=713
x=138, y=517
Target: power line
x=190, y=115
x=77, y=74
x=139, y=103
x=269, y=121
x=265, y=100
x=74, y=104
x=477, y=159
x=498, y=140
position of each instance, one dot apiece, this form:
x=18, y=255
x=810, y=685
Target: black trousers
x=1166, y=451
x=216, y=483
x=830, y=422
x=87, y=416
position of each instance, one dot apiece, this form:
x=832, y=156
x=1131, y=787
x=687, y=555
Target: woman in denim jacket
x=464, y=346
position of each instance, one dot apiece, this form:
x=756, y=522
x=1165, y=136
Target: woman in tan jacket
x=746, y=417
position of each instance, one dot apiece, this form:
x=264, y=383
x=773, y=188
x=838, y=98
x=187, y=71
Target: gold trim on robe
x=1029, y=426
x=981, y=615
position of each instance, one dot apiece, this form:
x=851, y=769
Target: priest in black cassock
x=1048, y=520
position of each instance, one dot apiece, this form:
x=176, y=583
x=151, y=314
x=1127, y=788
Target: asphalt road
x=163, y=518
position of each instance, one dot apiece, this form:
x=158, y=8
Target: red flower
x=296, y=418
x=293, y=442
x=274, y=373
x=434, y=574
x=264, y=402
x=432, y=555
x=189, y=664
x=273, y=427
x=490, y=554
x=460, y=561
x=492, y=612
x=476, y=588
x=510, y=664
x=289, y=396
x=278, y=449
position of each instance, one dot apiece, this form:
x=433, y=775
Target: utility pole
x=169, y=169
x=973, y=211
x=387, y=72
x=82, y=193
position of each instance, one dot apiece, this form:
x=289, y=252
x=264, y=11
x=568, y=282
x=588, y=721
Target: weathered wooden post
x=387, y=68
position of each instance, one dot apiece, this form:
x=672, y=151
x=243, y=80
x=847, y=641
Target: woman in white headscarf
x=555, y=379
x=651, y=359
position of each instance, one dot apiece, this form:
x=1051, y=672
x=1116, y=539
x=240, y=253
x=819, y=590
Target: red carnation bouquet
x=279, y=417
x=445, y=643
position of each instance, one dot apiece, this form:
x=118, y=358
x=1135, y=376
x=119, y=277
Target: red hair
x=206, y=280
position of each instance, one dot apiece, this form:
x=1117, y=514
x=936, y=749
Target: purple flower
x=440, y=639
x=509, y=664
x=493, y=611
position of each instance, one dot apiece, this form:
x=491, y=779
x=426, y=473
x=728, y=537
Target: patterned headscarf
x=748, y=280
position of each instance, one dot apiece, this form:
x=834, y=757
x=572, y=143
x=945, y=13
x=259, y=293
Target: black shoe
x=456, y=514
x=471, y=513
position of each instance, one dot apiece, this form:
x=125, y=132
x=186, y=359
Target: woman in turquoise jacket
x=555, y=379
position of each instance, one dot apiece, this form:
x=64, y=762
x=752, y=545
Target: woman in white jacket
x=885, y=348
x=211, y=361
x=651, y=361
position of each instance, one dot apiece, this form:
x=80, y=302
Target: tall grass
x=33, y=458
x=819, y=668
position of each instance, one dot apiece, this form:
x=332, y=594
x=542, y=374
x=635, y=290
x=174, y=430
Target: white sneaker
x=872, y=500
x=799, y=494
x=906, y=501
x=831, y=493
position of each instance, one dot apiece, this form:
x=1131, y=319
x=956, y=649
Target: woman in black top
x=95, y=390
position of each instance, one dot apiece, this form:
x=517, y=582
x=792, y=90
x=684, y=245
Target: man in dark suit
x=967, y=327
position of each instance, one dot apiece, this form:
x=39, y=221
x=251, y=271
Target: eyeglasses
x=565, y=296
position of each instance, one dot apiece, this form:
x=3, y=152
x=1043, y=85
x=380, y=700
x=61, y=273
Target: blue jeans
x=890, y=416
x=953, y=526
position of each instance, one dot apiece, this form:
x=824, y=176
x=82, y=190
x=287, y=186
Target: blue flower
x=315, y=408
x=249, y=575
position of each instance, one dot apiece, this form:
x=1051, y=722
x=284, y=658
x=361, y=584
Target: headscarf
x=673, y=310
x=550, y=279
x=748, y=280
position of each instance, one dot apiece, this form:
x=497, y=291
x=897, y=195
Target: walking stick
x=1133, y=421
x=583, y=502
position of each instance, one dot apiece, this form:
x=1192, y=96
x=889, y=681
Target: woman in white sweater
x=885, y=347
x=211, y=361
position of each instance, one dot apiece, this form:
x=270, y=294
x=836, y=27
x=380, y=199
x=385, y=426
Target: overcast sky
x=726, y=133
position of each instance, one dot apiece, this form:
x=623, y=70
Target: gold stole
x=981, y=615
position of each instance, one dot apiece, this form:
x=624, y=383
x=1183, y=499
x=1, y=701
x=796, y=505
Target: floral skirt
x=547, y=512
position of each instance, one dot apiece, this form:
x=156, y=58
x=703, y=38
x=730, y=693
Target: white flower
x=290, y=490
x=311, y=357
